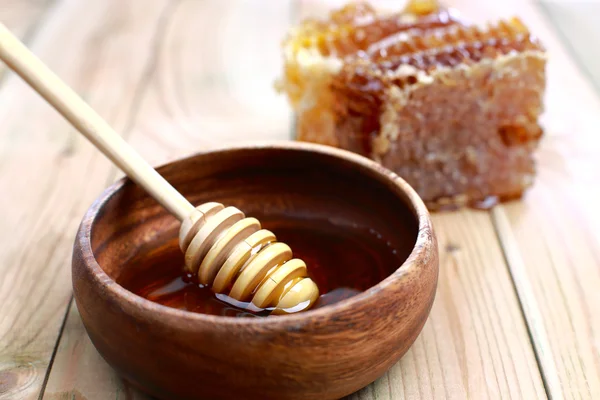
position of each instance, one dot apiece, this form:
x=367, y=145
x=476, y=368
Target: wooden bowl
x=323, y=353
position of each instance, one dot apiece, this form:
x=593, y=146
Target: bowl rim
x=424, y=242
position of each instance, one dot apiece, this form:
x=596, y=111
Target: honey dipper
x=228, y=251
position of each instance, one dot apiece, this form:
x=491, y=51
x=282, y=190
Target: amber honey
x=342, y=260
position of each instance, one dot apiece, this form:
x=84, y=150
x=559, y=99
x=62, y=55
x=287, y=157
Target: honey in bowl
x=342, y=260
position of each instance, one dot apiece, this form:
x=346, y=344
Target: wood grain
x=552, y=238
x=82, y=373
x=49, y=175
x=475, y=344
x=214, y=78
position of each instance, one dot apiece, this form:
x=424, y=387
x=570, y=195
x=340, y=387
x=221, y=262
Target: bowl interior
x=270, y=184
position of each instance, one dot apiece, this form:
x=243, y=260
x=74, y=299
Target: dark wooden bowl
x=323, y=353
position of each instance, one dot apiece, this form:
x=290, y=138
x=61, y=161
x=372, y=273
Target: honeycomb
x=369, y=74
x=450, y=106
x=356, y=26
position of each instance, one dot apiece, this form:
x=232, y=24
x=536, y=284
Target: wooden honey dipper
x=227, y=251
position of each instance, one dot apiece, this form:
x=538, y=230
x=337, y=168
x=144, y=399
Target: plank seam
x=558, y=31
x=524, y=315
x=55, y=349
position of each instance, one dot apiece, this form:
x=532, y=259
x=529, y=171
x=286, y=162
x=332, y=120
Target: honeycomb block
x=450, y=106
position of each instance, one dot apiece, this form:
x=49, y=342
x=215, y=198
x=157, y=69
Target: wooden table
x=517, y=313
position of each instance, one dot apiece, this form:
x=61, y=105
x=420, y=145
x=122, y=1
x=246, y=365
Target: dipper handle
x=23, y=62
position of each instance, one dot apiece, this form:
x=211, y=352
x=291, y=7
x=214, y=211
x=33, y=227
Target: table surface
x=517, y=312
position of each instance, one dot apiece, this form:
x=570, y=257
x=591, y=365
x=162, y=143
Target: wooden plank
x=22, y=17
x=552, y=238
x=49, y=174
x=475, y=343
x=79, y=372
x=209, y=91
